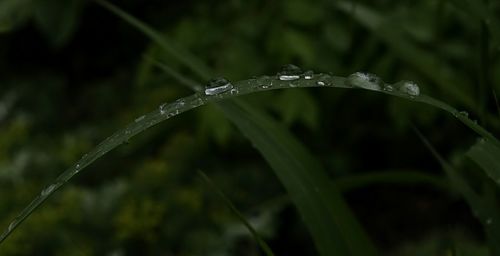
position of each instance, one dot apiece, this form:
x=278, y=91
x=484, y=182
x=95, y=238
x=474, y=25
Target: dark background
x=72, y=73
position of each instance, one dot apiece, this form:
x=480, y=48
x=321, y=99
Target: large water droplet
x=388, y=88
x=180, y=103
x=11, y=226
x=464, y=113
x=409, y=87
x=48, y=190
x=163, y=108
x=320, y=83
x=365, y=80
x=218, y=85
x=289, y=72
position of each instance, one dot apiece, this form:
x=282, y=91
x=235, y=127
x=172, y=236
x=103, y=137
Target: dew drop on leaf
x=388, y=88
x=48, y=190
x=140, y=118
x=163, y=108
x=365, y=80
x=217, y=86
x=308, y=75
x=289, y=72
x=409, y=87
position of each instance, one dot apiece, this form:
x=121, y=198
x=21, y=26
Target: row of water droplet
x=372, y=82
x=292, y=73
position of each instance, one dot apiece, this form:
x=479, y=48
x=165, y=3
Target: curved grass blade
x=243, y=116
x=263, y=245
x=144, y=122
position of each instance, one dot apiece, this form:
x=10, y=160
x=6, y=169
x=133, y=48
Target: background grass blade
x=484, y=207
x=332, y=225
x=263, y=245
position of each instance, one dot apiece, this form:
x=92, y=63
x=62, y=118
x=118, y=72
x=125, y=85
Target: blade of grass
x=263, y=245
x=246, y=118
x=281, y=150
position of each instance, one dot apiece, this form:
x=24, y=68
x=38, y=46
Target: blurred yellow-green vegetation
x=72, y=73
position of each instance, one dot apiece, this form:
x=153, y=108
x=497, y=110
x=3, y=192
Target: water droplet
x=320, y=83
x=12, y=225
x=308, y=75
x=289, y=72
x=217, y=86
x=140, y=118
x=48, y=190
x=464, y=113
x=180, y=103
x=364, y=80
x=163, y=108
x=234, y=91
x=388, y=88
x=409, y=87
x=489, y=221
x=77, y=166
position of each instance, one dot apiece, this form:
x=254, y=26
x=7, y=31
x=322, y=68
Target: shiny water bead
x=365, y=80
x=308, y=75
x=217, y=86
x=289, y=72
x=409, y=87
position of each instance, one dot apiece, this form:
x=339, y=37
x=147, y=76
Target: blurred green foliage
x=71, y=73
